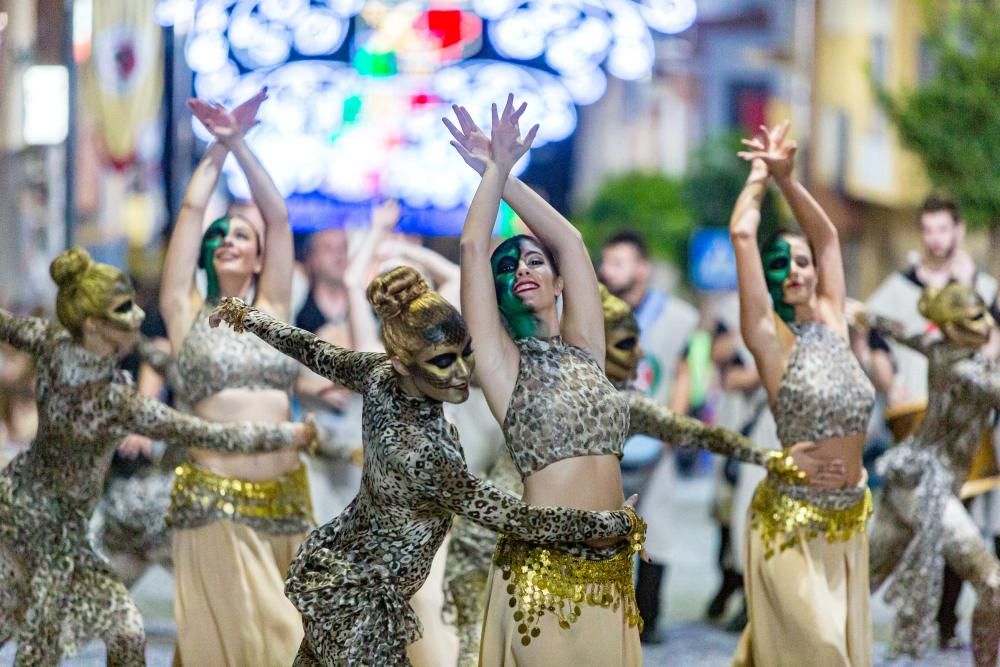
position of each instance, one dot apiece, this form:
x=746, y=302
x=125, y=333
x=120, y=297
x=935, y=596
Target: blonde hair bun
x=392, y=292
x=69, y=266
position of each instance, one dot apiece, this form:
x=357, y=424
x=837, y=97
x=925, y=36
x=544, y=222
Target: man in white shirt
x=665, y=325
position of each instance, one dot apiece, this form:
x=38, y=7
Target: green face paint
x=777, y=259
x=213, y=238
x=521, y=322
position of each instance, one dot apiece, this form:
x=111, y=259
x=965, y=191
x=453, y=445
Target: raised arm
x=274, y=285
x=757, y=317
x=497, y=357
x=27, y=334
x=364, y=327
x=582, y=319
x=179, y=299
x=445, y=274
x=779, y=153
x=345, y=367
x=440, y=476
x=148, y=416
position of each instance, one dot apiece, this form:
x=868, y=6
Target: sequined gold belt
x=198, y=491
x=779, y=510
x=541, y=580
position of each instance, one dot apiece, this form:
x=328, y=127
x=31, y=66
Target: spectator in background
x=665, y=324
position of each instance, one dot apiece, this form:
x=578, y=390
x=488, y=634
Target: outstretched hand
x=773, y=148
x=470, y=142
x=385, y=215
x=506, y=144
x=228, y=126
x=231, y=311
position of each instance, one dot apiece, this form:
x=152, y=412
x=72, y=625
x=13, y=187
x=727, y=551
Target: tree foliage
x=952, y=119
x=648, y=203
x=715, y=181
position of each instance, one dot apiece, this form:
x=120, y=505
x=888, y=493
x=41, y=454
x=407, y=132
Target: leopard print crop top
x=562, y=406
x=211, y=360
x=825, y=392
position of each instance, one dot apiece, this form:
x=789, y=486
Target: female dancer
x=807, y=551
x=237, y=518
x=921, y=521
x=55, y=591
x=472, y=546
x=353, y=577
x=529, y=375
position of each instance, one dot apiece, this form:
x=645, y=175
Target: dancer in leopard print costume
x=472, y=546
x=55, y=591
x=921, y=522
x=353, y=577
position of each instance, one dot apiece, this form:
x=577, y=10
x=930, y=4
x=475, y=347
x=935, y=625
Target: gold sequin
x=268, y=499
x=548, y=581
x=778, y=517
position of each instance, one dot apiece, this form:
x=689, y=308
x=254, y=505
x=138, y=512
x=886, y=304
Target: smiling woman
x=237, y=518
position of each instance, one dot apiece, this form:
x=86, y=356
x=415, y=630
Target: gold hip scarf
x=541, y=580
x=779, y=510
x=200, y=492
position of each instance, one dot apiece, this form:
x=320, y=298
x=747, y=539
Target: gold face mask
x=123, y=313
x=622, y=352
x=960, y=313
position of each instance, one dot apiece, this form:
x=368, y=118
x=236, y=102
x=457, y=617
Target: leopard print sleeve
x=345, y=367
x=981, y=379
x=649, y=418
x=153, y=419
x=890, y=328
x=153, y=356
x=441, y=477
x=28, y=334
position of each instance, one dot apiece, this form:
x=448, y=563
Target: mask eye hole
x=124, y=307
x=626, y=344
x=778, y=264
x=467, y=352
x=443, y=360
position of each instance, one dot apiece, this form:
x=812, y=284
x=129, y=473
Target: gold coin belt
x=541, y=581
x=778, y=516
x=197, y=488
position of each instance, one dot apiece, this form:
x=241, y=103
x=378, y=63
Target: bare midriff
x=582, y=482
x=240, y=405
x=849, y=449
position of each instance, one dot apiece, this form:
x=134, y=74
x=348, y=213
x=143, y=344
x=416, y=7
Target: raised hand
x=470, y=142
x=385, y=216
x=228, y=127
x=773, y=148
x=506, y=144
x=246, y=113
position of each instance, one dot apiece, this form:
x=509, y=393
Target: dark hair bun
x=69, y=266
x=392, y=292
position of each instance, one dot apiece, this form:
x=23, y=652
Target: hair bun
x=392, y=292
x=67, y=267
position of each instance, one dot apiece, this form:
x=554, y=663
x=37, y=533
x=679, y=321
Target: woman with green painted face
x=237, y=519
x=563, y=421
x=806, y=562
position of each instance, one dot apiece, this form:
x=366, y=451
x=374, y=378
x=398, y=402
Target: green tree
x=952, y=119
x=715, y=180
x=649, y=203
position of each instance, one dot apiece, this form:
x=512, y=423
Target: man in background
x=665, y=325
